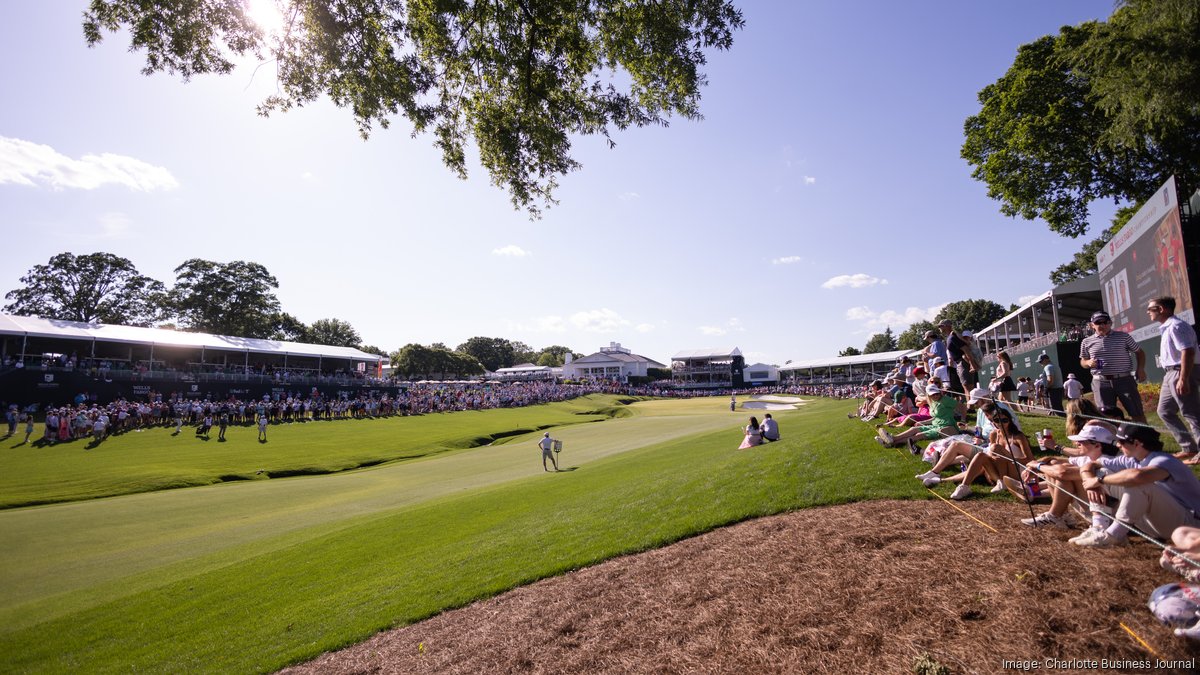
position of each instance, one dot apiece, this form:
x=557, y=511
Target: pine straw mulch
x=866, y=588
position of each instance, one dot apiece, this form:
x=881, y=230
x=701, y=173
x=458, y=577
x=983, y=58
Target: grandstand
x=708, y=368
x=842, y=369
x=53, y=360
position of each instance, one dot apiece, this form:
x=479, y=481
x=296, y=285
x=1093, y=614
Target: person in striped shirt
x=1110, y=354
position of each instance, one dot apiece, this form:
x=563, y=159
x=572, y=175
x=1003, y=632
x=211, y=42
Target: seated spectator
x=942, y=407
x=770, y=429
x=1063, y=478
x=1155, y=491
x=752, y=435
x=995, y=460
x=1183, y=557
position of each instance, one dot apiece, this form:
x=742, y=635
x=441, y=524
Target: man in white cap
x=1073, y=388
x=547, y=446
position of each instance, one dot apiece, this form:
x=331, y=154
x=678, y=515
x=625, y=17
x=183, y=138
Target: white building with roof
x=613, y=362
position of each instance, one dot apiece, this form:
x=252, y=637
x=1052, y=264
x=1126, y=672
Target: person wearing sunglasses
x=1180, y=396
x=1155, y=491
x=1111, y=354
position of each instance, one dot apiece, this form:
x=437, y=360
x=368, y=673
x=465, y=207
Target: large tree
x=418, y=360
x=96, y=287
x=1104, y=110
x=514, y=78
x=850, y=351
x=333, y=332
x=493, y=353
x=1084, y=262
x=972, y=315
x=881, y=342
x=913, y=337
x=235, y=298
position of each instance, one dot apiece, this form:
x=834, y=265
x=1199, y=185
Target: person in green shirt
x=942, y=407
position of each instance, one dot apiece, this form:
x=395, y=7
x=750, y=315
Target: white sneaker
x=1046, y=519
x=998, y=487
x=931, y=481
x=1102, y=539
x=928, y=474
x=1086, y=534
x=961, y=492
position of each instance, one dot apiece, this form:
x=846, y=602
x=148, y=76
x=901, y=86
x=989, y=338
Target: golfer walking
x=547, y=446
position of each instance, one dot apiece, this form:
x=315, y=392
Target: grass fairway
x=250, y=576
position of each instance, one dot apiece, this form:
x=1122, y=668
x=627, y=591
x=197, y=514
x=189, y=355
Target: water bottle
x=1047, y=441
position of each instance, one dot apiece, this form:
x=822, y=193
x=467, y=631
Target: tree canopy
x=850, y=351
x=1084, y=262
x=881, y=342
x=515, y=78
x=493, y=353
x=913, y=337
x=95, y=287
x=972, y=315
x=1103, y=110
x=333, y=332
x=413, y=360
x=235, y=298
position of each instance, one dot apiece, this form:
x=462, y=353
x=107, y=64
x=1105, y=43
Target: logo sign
x=48, y=377
x=195, y=387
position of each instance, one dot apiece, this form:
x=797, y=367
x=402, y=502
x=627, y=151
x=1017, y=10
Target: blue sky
x=821, y=198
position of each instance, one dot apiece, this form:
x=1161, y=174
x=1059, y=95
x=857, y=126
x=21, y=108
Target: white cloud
x=512, y=251
x=629, y=196
x=854, y=281
x=644, y=327
x=114, y=225
x=809, y=180
x=713, y=330
x=896, y=319
x=32, y=164
x=308, y=177
x=598, y=321
x=1021, y=301
x=787, y=260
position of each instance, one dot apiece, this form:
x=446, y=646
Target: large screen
x=1143, y=261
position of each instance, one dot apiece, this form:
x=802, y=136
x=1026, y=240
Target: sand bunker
x=772, y=402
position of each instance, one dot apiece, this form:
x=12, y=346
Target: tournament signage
x=1143, y=261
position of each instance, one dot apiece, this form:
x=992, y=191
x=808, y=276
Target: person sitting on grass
x=752, y=434
x=1007, y=445
x=920, y=415
x=875, y=402
x=941, y=424
x=1155, y=491
x=961, y=448
x=1094, y=441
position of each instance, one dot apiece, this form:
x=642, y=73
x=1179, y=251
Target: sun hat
x=1094, y=432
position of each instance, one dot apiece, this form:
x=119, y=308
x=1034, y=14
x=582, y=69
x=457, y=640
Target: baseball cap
x=931, y=389
x=978, y=394
x=1070, y=376
x=967, y=333
x=1100, y=316
x=1094, y=432
x=1137, y=432
x=1043, y=357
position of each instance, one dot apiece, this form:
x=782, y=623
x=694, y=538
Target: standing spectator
x=1054, y=382
x=1180, y=394
x=1002, y=384
x=262, y=428
x=1022, y=393
x=957, y=355
x=1072, y=387
x=1109, y=354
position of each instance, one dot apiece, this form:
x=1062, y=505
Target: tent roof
x=710, y=353
x=861, y=359
x=101, y=332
